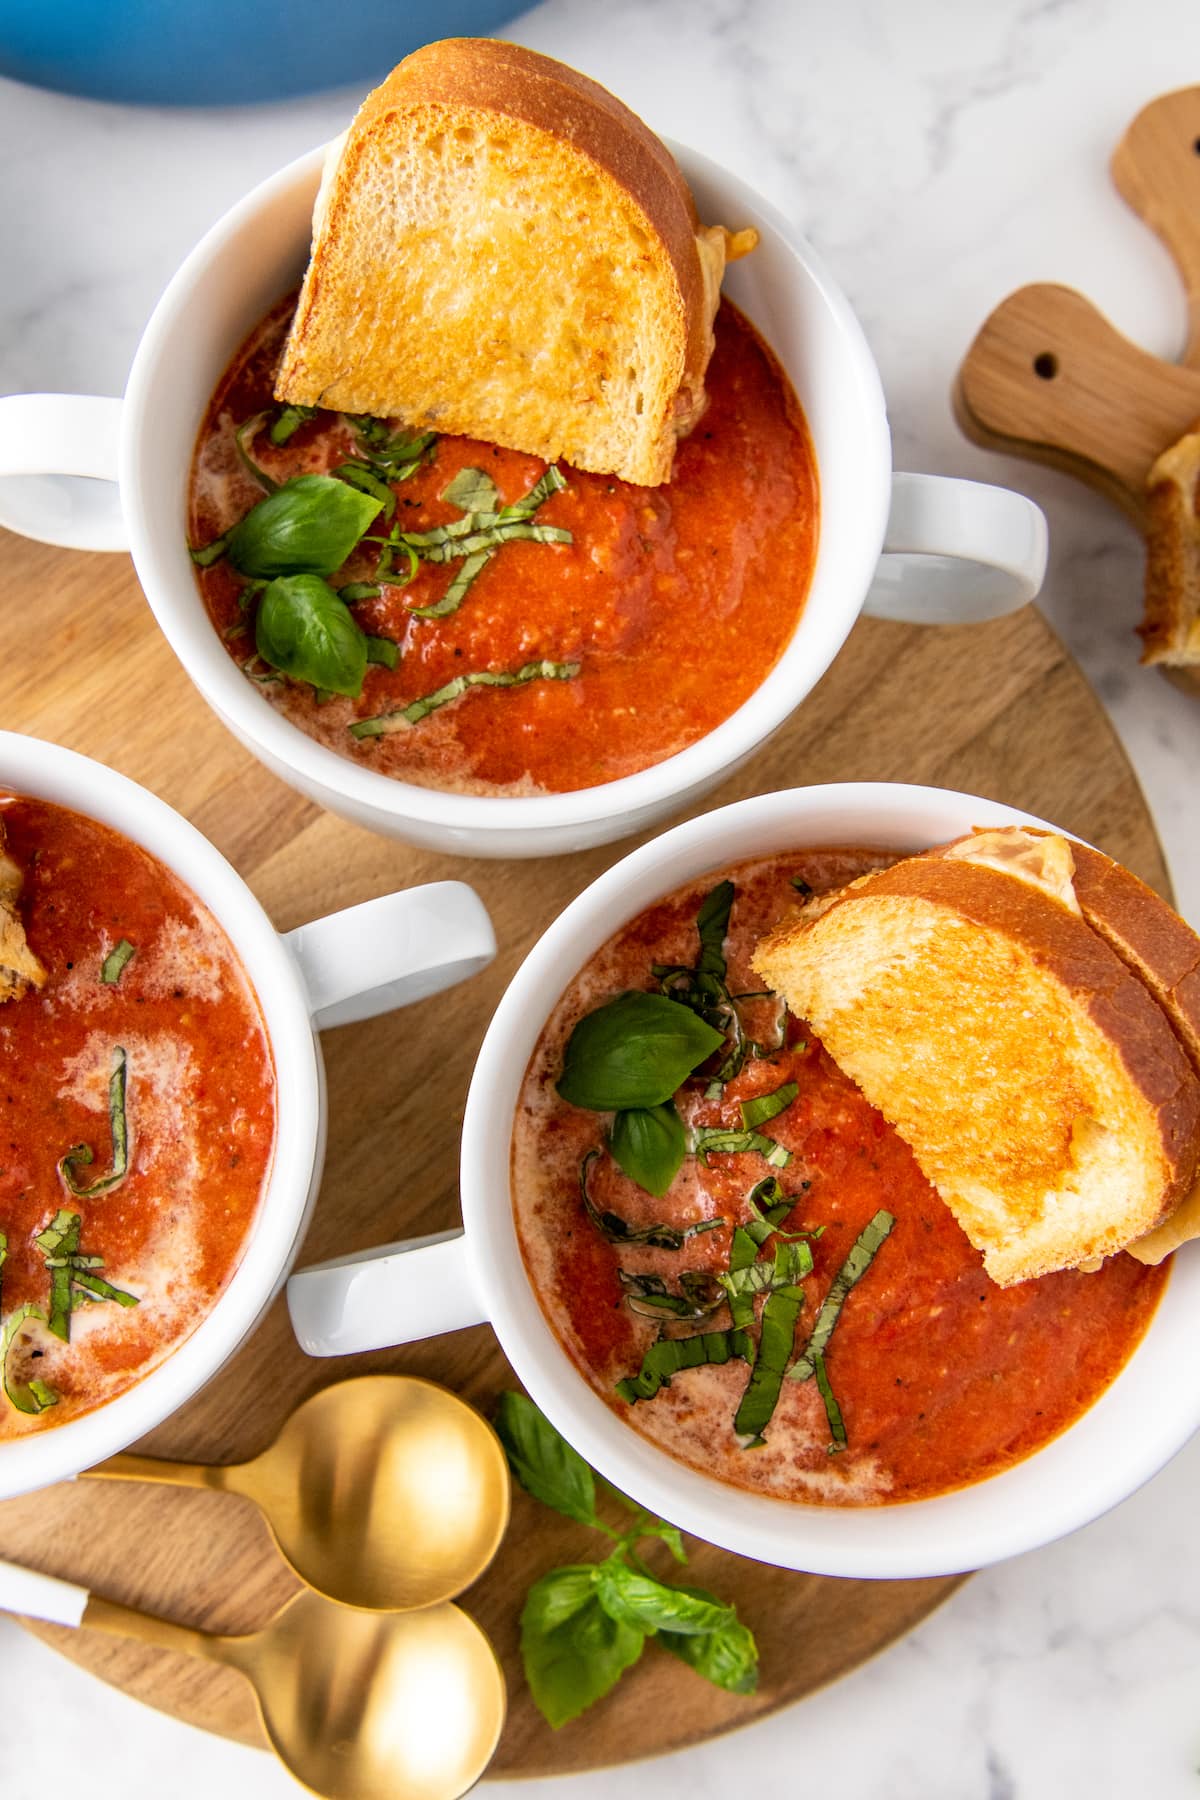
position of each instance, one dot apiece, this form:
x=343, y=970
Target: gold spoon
x=357, y=1705
x=385, y=1492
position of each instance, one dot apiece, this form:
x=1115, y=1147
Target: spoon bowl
x=385, y=1492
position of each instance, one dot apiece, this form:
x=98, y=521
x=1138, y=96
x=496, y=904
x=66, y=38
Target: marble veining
x=939, y=155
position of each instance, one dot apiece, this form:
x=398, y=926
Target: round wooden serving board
x=996, y=709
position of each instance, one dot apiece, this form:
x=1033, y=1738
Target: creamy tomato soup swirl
x=929, y=1376
x=139, y=1116
x=607, y=630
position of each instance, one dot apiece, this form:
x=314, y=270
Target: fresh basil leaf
x=456, y=593
x=383, y=650
x=553, y=481
x=209, y=553
x=768, y=1106
x=59, y=1242
x=242, y=437
x=305, y=630
x=728, y=1657
x=652, y=1606
x=792, y=1262
x=398, y=453
x=416, y=710
x=309, y=526
x=362, y=476
x=777, y=1336
x=559, y=1595
x=617, y=1230
x=472, y=490
x=33, y=1396
x=289, y=422
x=670, y=1356
x=648, y=1297
x=573, y=1651
x=113, y=966
x=97, y=1288
x=446, y=543
x=862, y=1254
x=542, y=1461
x=633, y=1052
x=712, y=927
x=649, y=1143
x=354, y=591
x=83, y=1155
x=715, y=1140
x=833, y=1412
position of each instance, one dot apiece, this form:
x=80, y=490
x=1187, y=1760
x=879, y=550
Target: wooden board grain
x=998, y=709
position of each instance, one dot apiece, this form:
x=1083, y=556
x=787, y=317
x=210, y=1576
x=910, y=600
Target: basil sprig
x=308, y=526
x=583, y=1625
x=307, y=631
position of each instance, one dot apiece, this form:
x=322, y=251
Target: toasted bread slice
x=1170, y=628
x=1040, y=1086
x=502, y=250
x=19, y=967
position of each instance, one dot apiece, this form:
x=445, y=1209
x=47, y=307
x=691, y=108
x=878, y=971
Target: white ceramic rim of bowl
x=842, y=572
x=39, y=770
x=1137, y=1424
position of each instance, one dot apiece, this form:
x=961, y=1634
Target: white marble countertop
x=939, y=154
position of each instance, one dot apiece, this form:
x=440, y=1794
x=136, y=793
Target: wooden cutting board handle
x=1156, y=168
x=1048, y=377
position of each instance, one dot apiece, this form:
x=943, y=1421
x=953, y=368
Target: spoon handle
x=38, y=1596
x=127, y=1467
x=124, y=1621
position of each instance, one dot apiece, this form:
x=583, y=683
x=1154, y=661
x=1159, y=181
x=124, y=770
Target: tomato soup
x=139, y=1118
x=929, y=1377
x=643, y=618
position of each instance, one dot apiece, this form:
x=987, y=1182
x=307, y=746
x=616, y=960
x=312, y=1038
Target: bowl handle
x=957, y=552
x=395, y=1295
x=391, y=951
x=58, y=470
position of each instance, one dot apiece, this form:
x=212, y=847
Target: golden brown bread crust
x=19, y=967
x=636, y=326
x=1100, y=983
x=555, y=98
x=1148, y=935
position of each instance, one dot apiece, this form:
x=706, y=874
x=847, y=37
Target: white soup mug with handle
x=109, y=474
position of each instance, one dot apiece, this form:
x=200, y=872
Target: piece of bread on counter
x=1040, y=1084
x=502, y=250
x=1170, y=629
